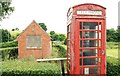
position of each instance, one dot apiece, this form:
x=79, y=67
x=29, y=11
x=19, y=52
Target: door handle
x=103, y=52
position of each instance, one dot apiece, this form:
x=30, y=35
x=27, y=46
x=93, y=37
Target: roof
x=30, y=25
x=84, y=4
x=89, y=4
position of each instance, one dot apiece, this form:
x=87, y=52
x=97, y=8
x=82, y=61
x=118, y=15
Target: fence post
x=62, y=67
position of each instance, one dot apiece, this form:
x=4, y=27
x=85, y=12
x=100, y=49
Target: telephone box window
x=90, y=25
x=89, y=53
x=80, y=34
x=80, y=25
x=80, y=43
x=90, y=43
x=90, y=34
x=88, y=61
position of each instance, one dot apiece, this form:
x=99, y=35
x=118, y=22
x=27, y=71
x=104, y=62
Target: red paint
x=96, y=20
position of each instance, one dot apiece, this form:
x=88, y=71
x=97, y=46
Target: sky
x=54, y=13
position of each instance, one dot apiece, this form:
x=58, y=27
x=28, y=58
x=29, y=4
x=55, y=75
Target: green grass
x=112, y=45
x=111, y=59
x=112, y=52
x=112, y=49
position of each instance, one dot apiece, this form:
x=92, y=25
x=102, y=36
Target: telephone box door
x=91, y=46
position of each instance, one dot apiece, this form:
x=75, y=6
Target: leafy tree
x=54, y=37
x=13, y=29
x=16, y=28
x=5, y=35
x=44, y=27
x=61, y=50
x=57, y=37
x=52, y=32
x=61, y=37
x=65, y=41
x=112, y=35
x=12, y=38
x=118, y=30
x=109, y=36
x=5, y=9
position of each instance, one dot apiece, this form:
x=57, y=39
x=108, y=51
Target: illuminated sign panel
x=89, y=12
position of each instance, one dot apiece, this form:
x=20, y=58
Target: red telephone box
x=86, y=40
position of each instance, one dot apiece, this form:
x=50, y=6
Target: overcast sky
x=53, y=13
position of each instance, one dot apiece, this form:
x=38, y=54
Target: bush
x=54, y=52
x=30, y=68
x=61, y=50
x=113, y=67
x=5, y=35
x=9, y=44
x=22, y=68
x=9, y=53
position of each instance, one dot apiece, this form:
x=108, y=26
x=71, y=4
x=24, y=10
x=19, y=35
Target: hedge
x=113, y=69
x=113, y=66
x=23, y=68
x=20, y=68
x=9, y=53
x=30, y=68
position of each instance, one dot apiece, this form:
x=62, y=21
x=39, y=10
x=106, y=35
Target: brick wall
x=34, y=29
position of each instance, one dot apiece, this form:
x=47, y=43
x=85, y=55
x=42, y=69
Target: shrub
x=61, y=50
x=113, y=67
x=29, y=68
x=29, y=58
x=9, y=53
x=54, y=52
x=9, y=44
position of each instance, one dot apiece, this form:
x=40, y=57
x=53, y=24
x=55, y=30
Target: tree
x=118, y=30
x=65, y=41
x=55, y=37
x=5, y=9
x=44, y=27
x=17, y=29
x=52, y=32
x=61, y=37
x=6, y=36
x=112, y=35
x=13, y=29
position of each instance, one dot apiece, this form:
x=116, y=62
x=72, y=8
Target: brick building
x=35, y=42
